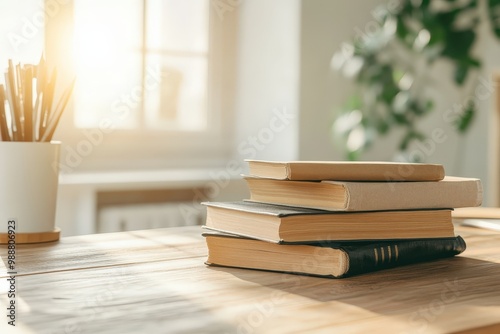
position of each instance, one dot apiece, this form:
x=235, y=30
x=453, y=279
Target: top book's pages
x=345, y=170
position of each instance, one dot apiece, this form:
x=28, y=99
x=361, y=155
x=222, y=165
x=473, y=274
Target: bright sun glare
x=102, y=59
x=95, y=48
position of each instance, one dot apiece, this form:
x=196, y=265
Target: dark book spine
x=376, y=256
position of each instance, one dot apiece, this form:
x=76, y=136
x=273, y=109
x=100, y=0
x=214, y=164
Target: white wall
x=267, y=95
x=324, y=26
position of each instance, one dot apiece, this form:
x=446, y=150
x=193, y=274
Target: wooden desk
x=155, y=281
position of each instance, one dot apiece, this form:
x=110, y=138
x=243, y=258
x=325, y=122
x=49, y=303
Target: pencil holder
x=29, y=174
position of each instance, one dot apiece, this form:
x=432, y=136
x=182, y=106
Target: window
x=142, y=63
x=159, y=73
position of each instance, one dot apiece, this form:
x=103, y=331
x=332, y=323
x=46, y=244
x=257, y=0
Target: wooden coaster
x=31, y=238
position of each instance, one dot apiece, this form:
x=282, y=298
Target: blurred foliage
x=385, y=62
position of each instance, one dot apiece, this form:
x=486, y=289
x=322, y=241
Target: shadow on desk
x=430, y=286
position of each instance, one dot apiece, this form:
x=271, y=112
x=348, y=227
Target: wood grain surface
x=155, y=281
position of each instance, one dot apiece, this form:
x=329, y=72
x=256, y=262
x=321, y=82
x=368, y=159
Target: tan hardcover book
x=451, y=192
x=345, y=170
x=327, y=259
x=283, y=224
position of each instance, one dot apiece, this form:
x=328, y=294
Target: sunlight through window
x=141, y=63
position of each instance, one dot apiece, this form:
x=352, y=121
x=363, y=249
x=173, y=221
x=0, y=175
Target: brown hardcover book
x=326, y=259
x=346, y=170
x=451, y=192
x=282, y=224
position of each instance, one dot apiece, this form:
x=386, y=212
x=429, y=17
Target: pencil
x=14, y=94
x=19, y=78
x=28, y=103
x=4, y=130
x=48, y=96
x=12, y=105
x=41, y=74
x=56, y=116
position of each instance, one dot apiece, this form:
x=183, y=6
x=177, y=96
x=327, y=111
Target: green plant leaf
x=382, y=127
x=460, y=73
x=419, y=108
x=353, y=155
x=403, y=32
x=397, y=75
x=465, y=119
x=445, y=18
x=401, y=119
x=353, y=102
x=459, y=44
x=462, y=69
x=494, y=15
x=472, y=62
x=410, y=135
x=438, y=34
x=429, y=105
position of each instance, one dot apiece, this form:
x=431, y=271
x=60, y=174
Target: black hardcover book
x=329, y=259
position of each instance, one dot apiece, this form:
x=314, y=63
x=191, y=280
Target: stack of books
x=337, y=219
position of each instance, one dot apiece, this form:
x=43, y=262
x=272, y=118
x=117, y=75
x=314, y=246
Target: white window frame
x=119, y=149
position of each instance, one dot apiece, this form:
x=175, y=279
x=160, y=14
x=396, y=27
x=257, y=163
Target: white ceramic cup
x=29, y=174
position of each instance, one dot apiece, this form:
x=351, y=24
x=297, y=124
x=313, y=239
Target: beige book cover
x=346, y=170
